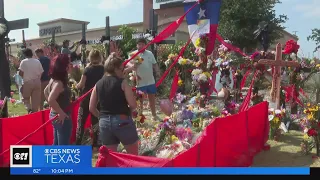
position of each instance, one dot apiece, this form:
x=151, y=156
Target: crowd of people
x=112, y=103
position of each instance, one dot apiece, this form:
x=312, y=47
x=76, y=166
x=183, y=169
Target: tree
x=127, y=43
x=313, y=87
x=315, y=36
x=239, y=20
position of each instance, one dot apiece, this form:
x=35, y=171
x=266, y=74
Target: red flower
x=291, y=47
x=142, y=119
x=312, y=132
x=12, y=100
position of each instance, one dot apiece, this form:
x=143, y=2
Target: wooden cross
x=24, y=44
x=276, y=77
x=4, y=64
x=84, y=46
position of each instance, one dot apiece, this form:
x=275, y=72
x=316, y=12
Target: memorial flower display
x=310, y=125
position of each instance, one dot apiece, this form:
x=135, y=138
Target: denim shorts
x=61, y=132
x=150, y=89
x=117, y=128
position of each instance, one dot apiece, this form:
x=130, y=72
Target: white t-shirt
x=145, y=69
x=31, y=68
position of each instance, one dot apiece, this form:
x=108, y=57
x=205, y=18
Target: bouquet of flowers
x=136, y=61
x=275, y=119
x=311, y=127
x=2, y=104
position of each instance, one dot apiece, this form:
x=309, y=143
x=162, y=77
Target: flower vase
x=273, y=135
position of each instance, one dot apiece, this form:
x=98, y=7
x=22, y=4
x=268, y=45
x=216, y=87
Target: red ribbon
x=243, y=81
x=174, y=86
x=245, y=104
x=292, y=94
x=213, y=83
x=167, y=32
x=230, y=46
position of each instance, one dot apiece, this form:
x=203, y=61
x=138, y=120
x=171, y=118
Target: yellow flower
x=197, y=43
x=310, y=116
x=318, y=65
x=276, y=120
x=306, y=137
x=207, y=74
x=180, y=82
x=171, y=56
x=174, y=138
x=308, y=104
x=183, y=61
x=140, y=60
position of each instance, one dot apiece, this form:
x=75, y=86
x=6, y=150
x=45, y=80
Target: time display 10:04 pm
x=61, y=171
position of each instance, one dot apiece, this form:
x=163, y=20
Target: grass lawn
x=284, y=153
x=16, y=109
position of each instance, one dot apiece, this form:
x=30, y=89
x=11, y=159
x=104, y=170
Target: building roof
x=63, y=20
x=291, y=35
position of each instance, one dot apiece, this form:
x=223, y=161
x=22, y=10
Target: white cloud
x=114, y=4
x=309, y=9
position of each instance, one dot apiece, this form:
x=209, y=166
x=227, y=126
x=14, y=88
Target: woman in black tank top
x=91, y=75
x=58, y=95
x=116, y=101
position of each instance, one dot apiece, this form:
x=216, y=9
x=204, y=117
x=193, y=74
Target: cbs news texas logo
x=21, y=156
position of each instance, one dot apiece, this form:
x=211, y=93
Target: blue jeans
x=61, y=132
x=117, y=128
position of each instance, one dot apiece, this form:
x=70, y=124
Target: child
x=19, y=81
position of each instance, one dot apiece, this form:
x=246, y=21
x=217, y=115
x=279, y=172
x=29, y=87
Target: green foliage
x=239, y=19
x=127, y=44
x=315, y=36
x=163, y=51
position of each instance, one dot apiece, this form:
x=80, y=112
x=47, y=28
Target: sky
x=304, y=15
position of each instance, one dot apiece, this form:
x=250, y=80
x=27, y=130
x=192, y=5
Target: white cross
x=201, y=13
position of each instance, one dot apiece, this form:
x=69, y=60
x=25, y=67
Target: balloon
x=166, y=106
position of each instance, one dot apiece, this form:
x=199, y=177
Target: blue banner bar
x=163, y=171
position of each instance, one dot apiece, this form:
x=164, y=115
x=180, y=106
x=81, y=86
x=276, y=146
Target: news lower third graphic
x=55, y=159
x=77, y=160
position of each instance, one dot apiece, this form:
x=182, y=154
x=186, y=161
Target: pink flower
x=1, y=103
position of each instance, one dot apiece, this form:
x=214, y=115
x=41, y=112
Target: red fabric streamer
x=302, y=92
x=211, y=39
x=245, y=104
x=243, y=81
x=212, y=84
x=216, y=147
x=174, y=86
x=167, y=32
x=292, y=94
x=165, y=74
x=230, y=46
